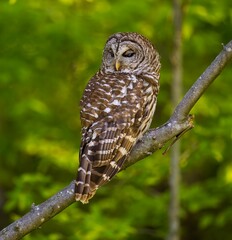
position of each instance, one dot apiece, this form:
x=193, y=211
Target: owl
x=116, y=109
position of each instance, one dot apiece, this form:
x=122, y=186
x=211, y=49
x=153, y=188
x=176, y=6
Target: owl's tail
x=84, y=187
x=101, y=159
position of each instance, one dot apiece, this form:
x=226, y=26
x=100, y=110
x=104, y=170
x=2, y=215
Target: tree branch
x=39, y=214
x=202, y=83
x=153, y=140
x=180, y=121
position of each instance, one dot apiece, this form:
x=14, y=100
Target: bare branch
x=180, y=121
x=39, y=214
x=154, y=139
x=202, y=83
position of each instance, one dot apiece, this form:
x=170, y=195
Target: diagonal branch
x=180, y=120
x=153, y=140
x=202, y=83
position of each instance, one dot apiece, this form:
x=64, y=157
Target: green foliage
x=49, y=50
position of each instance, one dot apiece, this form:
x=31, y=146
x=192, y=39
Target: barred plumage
x=116, y=109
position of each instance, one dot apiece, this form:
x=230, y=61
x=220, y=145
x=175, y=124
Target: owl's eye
x=128, y=53
x=111, y=52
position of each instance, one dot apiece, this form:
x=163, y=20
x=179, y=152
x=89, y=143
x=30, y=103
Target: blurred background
x=48, y=52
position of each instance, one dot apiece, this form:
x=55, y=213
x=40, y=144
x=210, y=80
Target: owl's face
x=127, y=53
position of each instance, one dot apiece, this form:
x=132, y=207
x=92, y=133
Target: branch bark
x=153, y=140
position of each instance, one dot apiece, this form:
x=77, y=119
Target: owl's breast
x=114, y=97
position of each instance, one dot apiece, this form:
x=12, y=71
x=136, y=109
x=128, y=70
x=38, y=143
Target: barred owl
x=116, y=109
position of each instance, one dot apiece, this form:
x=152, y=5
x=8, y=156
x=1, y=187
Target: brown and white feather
x=116, y=110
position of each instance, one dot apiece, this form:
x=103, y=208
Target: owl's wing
x=110, y=148
x=103, y=155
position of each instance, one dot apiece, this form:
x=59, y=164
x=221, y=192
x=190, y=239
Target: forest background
x=49, y=50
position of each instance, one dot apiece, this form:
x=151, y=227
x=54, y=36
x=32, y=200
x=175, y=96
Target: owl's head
x=130, y=53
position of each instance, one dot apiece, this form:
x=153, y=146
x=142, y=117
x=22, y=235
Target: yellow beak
x=117, y=65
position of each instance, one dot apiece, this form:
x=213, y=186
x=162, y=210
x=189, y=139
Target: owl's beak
x=117, y=65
